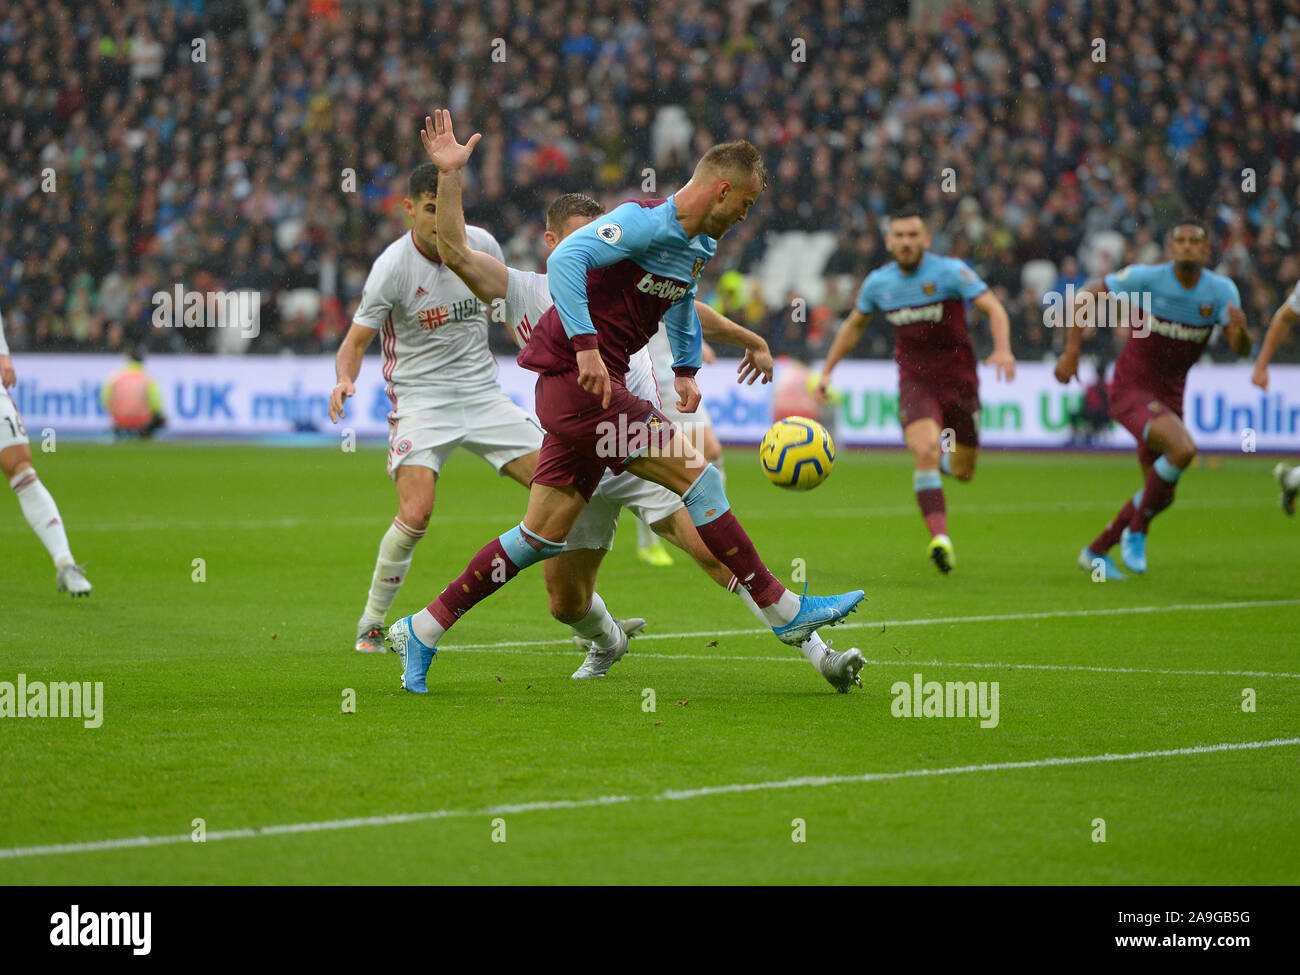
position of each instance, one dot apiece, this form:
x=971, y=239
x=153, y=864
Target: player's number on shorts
x=16, y=428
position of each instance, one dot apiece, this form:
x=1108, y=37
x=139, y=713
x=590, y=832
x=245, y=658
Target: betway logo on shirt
x=923, y=313
x=1176, y=330
x=662, y=287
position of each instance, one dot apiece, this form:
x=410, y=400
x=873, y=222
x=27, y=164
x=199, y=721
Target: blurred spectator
x=274, y=158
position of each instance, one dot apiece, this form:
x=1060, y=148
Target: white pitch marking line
x=288, y=522
x=922, y=621
x=670, y=795
x=909, y=662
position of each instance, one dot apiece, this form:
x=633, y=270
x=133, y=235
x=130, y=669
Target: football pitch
x=1147, y=732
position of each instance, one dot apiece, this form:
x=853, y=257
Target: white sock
x=645, y=535
x=783, y=611
x=815, y=649
x=394, y=561
x=1292, y=479
x=812, y=648
x=426, y=629
x=598, y=626
x=42, y=514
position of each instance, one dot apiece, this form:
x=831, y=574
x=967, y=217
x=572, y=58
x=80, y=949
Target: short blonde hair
x=736, y=157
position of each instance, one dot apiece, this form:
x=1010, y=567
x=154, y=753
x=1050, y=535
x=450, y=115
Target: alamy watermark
x=950, y=699
x=57, y=699
x=651, y=437
x=126, y=929
x=180, y=308
x=1110, y=309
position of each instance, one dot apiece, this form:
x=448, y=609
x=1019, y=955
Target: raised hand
x=441, y=145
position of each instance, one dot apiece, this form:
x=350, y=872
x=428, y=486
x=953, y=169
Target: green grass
x=222, y=698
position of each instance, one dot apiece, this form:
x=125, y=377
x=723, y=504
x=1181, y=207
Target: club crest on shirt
x=610, y=233
x=1155, y=406
x=1206, y=309
x=928, y=287
x=431, y=318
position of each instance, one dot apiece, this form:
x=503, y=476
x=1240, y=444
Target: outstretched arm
x=1238, y=337
x=347, y=366
x=7, y=377
x=1067, y=366
x=1278, y=328
x=1000, y=326
x=849, y=334
x=482, y=273
x=717, y=327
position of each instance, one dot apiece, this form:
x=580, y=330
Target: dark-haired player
x=441, y=380
x=924, y=297
x=612, y=281
x=1185, y=301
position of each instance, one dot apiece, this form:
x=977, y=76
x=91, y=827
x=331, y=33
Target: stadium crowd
x=227, y=145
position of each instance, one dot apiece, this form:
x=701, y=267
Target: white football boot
x=72, y=579
x=598, y=661
x=841, y=669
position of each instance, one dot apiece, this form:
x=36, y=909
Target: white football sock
x=598, y=626
x=426, y=629
x=813, y=648
x=783, y=611
x=1292, y=479
x=42, y=514
x=645, y=535
x=394, y=562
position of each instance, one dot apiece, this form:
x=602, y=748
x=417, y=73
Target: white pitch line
x=755, y=514
x=908, y=662
x=670, y=795
x=921, y=621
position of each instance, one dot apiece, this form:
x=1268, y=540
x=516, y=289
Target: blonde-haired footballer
x=592, y=508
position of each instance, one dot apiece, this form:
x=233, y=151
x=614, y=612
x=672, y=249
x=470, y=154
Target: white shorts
x=492, y=426
x=668, y=399
x=12, y=431
x=598, y=523
x=661, y=362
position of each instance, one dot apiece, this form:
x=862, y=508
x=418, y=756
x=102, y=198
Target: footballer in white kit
x=36, y=502
x=571, y=576
x=441, y=379
x=1287, y=314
